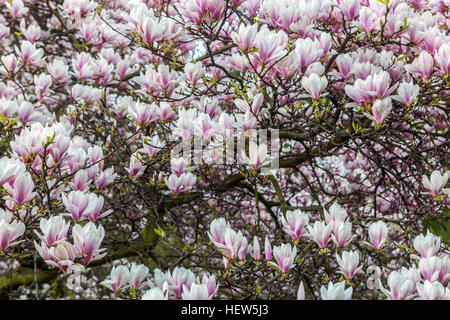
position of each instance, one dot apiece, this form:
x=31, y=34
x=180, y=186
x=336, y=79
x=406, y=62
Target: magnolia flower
x=92, y=213
x=400, y=287
x=10, y=231
x=380, y=110
x=54, y=230
x=80, y=204
x=87, y=241
x=430, y=268
x=336, y=291
x=9, y=169
x=217, y=231
x=267, y=249
x=136, y=168
x=118, y=279
x=314, y=85
x=431, y=290
x=320, y=233
x=285, y=256
x=157, y=293
x=105, y=178
x=427, y=245
x=234, y=245
x=61, y=255
x=22, y=189
x=348, y=264
x=436, y=182
x=378, y=234
x=194, y=72
x=294, y=223
x=245, y=36
x=195, y=292
x=422, y=66
x=257, y=156
x=211, y=284
x=180, y=279
x=256, y=249
x=137, y=274
x=301, y=292
x=342, y=233
x=407, y=92
x=143, y=113
x=335, y=214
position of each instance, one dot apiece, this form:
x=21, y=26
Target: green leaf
x=440, y=227
x=160, y=232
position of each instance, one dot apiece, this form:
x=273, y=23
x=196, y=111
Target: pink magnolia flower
x=378, y=234
x=435, y=183
x=81, y=181
x=442, y=58
x=87, y=241
x=406, y=93
x=335, y=213
x=257, y=156
x=235, y=245
x=336, y=291
x=314, y=85
x=211, y=283
x=157, y=293
x=9, y=169
x=256, y=249
x=92, y=213
x=294, y=223
x=21, y=190
x=201, y=11
x=118, y=279
x=431, y=290
x=54, y=230
x=342, y=233
x=179, y=165
x=10, y=231
x=16, y=8
x=245, y=36
x=217, y=231
x=271, y=46
x=367, y=20
x=427, y=245
x=350, y=8
x=400, y=287
x=166, y=112
x=348, y=264
x=267, y=249
x=285, y=257
x=136, y=168
x=422, y=66
x=195, y=292
x=182, y=183
x=380, y=110
x=301, y=292
x=430, y=268
x=143, y=113
x=179, y=280
x=138, y=273
x=194, y=72
x=307, y=51
x=320, y=233
x=61, y=255
x=105, y=178
x=80, y=204
x=344, y=63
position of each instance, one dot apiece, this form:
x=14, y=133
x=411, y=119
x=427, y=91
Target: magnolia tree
x=224, y=149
